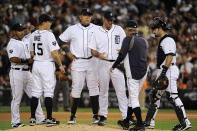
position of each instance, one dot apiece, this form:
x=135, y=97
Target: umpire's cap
x=17, y=27
x=131, y=24
x=157, y=23
x=45, y=18
x=109, y=15
x=86, y=11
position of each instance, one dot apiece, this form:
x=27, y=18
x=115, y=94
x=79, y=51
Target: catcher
x=166, y=78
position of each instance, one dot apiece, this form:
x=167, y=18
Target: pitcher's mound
x=76, y=127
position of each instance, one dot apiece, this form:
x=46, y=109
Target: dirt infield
x=87, y=116
x=76, y=127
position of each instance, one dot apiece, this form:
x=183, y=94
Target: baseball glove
x=161, y=83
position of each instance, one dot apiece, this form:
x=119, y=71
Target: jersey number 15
x=39, y=50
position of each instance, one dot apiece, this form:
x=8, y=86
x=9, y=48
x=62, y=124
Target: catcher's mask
x=157, y=23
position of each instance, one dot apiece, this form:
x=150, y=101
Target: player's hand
x=102, y=56
x=111, y=69
x=62, y=69
x=118, y=50
x=30, y=61
x=71, y=56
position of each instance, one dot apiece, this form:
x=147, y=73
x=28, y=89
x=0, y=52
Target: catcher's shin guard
x=153, y=97
x=152, y=110
x=177, y=107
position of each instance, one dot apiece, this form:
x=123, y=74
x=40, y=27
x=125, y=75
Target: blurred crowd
x=180, y=15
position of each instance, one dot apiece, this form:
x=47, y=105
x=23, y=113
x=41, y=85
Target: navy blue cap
x=131, y=24
x=86, y=11
x=17, y=27
x=45, y=18
x=109, y=15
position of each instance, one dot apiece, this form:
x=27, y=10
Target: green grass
x=165, y=125
x=162, y=125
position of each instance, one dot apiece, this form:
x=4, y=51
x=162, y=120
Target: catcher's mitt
x=161, y=83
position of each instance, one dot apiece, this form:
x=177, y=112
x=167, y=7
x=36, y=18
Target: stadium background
x=180, y=14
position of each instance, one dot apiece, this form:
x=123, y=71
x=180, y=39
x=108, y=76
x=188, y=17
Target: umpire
x=135, y=63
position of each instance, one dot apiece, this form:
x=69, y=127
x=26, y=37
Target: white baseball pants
x=118, y=81
x=22, y=81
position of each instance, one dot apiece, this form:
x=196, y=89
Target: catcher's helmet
x=158, y=22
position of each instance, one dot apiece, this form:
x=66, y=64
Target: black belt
x=109, y=60
x=83, y=57
x=23, y=69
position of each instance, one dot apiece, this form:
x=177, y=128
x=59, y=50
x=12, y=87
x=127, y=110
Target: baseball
x=105, y=54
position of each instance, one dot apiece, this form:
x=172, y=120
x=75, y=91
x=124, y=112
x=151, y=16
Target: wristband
x=165, y=68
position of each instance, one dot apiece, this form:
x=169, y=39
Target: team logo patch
x=54, y=43
x=10, y=51
x=117, y=39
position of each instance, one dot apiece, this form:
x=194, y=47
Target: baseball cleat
x=52, y=122
x=124, y=124
x=149, y=126
x=137, y=128
x=180, y=127
x=32, y=122
x=18, y=125
x=132, y=121
x=42, y=122
x=72, y=120
x=102, y=121
x=95, y=119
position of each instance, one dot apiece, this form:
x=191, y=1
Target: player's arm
x=169, y=48
x=66, y=48
x=56, y=57
x=97, y=54
x=19, y=60
x=123, y=52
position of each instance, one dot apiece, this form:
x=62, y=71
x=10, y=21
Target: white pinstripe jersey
x=43, y=43
x=108, y=41
x=79, y=38
x=17, y=48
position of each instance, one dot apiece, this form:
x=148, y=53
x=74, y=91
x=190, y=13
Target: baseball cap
x=18, y=27
x=45, y=18
x=86, y=11
x=131, y=24
x=109, y=15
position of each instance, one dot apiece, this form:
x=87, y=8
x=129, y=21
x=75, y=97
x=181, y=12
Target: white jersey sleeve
x=53, y=45
x=65, y=36
x=12, y=49
x=168, y=45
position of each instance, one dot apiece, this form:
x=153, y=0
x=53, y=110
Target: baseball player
x=166, y=64
x=44, y=50
x=135, y=63
x=20, y=76
x=83, y=64
x=106, y=45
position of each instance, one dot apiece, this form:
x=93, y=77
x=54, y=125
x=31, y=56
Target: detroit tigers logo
x=54, y=43
x=10, y=51
x=117, y=39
